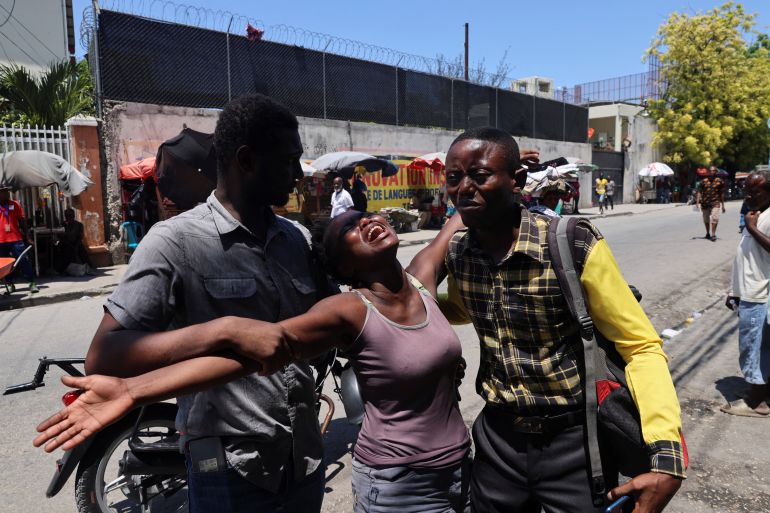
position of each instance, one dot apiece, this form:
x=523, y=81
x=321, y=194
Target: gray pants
x=518, y=472
x=411, y=490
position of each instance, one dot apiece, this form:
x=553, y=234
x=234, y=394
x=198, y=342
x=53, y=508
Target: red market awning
x=141, y=170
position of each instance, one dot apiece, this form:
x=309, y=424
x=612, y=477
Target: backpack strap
x=563, y=260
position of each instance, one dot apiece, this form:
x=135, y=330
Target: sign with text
x=396, y=190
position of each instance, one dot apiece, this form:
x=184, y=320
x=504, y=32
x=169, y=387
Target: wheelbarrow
x=8, y=265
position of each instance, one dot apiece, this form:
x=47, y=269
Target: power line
x=22, y=50
x=10, y=15
x=30, y=46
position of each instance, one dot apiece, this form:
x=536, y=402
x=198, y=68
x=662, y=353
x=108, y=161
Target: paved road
x=657, y=252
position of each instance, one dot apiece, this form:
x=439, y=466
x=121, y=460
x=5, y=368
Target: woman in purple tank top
x=413, y=450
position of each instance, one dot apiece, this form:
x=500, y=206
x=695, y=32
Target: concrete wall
x=133, y=131
x=90, y=205
x=322, y=136
x=47, y=19
x=640, y=153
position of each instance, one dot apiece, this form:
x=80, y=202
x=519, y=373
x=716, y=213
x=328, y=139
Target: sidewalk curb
x=30, y=300
x=632, y=213
x=403, y=242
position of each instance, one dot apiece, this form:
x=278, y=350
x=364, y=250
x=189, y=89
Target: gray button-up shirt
x=204, y=264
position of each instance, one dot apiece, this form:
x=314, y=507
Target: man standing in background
x=601, y=191
x=749, y=293
x=341, y=199
x=610, y=194
x=709, y=198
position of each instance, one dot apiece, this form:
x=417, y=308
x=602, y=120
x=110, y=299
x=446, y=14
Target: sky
x=570, y=42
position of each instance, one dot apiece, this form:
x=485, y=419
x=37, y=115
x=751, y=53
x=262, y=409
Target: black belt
x=534, y=424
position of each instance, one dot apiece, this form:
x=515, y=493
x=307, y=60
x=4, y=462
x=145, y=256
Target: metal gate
x=610, y=164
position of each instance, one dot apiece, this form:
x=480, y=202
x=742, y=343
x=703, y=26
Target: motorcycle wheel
x=101, y=488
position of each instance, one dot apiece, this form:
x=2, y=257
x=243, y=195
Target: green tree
x=46, y=98
x=717, y=96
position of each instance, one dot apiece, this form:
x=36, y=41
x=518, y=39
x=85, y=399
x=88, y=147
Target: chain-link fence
x=140, y=59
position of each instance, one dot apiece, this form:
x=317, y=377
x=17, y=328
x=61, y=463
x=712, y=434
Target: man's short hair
x=765, y=175
x=252, y=121
x=496, y=136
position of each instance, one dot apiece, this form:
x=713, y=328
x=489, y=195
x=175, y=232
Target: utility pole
x=466, y=52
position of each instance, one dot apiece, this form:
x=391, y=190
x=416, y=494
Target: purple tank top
x=406, y=375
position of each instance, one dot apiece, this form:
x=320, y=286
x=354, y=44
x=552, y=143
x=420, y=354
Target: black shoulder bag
x=613, y=425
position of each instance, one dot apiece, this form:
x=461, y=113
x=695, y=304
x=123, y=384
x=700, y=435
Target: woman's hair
x=325, y=251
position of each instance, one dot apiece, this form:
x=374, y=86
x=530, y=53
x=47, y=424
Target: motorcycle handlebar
x=65, y=364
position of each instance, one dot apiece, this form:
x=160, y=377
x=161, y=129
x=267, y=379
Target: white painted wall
x=641, y=152
x=33, y=32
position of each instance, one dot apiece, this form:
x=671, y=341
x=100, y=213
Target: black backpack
x=613, y=425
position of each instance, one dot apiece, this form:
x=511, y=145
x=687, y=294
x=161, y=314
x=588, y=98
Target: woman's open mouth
x=375, y=233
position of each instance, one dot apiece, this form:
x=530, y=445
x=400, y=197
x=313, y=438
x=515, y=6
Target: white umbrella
x=311, y=172
x=345, y=163
x=567, y=170
x=656, y=169
x=32, y=168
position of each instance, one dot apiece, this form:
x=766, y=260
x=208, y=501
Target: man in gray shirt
x=229, y=257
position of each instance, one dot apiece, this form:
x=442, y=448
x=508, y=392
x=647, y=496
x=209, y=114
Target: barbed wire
x=87, y=28
x=226, y=21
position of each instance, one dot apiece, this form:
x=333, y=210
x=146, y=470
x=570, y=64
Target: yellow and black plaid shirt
x=531, y=352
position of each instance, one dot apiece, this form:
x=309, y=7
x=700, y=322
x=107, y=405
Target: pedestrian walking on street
x=413, y=450
x=14, y=240
x=358, y=193
x=230, y=256
x=749, y=294
x=601, y=191
x=341, y=199
x=530, y=438
x=710, y=199
x=610, y=194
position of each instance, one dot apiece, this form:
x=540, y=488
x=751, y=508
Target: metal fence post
x=227, y=39
x=97, y=66
x=397, y=93
x=497, y=110
x=323, y=68
x=452, y=105
x=534, y=113
x=564, y=117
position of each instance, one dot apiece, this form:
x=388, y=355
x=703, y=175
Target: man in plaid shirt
x=530, y=437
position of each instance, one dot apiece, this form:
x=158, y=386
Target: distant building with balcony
x=536, y=86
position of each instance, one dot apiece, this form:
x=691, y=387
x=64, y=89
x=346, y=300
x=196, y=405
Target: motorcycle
x=135, y=464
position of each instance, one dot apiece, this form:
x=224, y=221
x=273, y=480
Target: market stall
x=316, y=187
x=44, y=184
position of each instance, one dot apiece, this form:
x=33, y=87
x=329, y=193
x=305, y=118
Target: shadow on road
x=732, y=387
x=338, y=441
x=711, y=344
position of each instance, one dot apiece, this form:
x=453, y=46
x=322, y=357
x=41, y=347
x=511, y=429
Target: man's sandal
x=742, y=409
